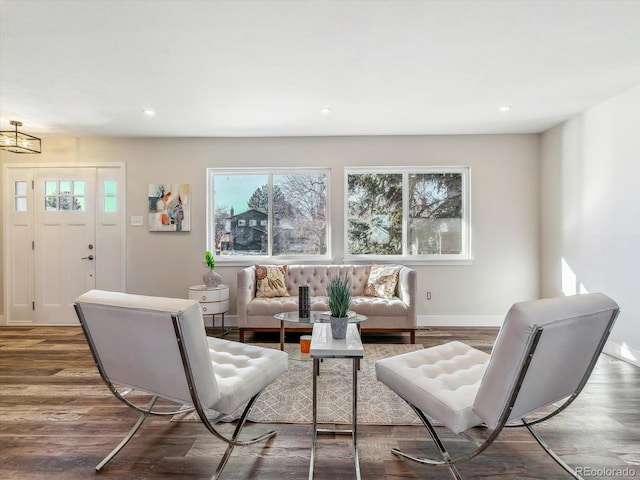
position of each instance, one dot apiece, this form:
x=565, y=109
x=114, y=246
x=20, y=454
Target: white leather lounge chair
x=159, y=346
x=544, y=353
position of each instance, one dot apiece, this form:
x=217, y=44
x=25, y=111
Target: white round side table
x=213, y=301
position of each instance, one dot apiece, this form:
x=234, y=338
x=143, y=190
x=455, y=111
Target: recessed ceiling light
x=505, y=108
x=148, y=112
x=325, y=111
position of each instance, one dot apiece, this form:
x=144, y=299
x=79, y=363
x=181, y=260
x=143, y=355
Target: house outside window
x=272, y=213
x=411, y=214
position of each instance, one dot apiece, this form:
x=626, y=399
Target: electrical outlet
x=136, y=221
x=428, y=295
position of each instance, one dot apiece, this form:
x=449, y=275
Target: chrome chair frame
x=448, y=461
x=149, y=410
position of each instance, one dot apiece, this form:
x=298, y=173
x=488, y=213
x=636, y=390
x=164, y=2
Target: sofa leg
x=413, y=336
x=241, y=338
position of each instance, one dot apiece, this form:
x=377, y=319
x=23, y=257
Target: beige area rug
x=289, y=398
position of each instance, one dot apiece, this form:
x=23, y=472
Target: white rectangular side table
x=213, y=301
x=323, y=345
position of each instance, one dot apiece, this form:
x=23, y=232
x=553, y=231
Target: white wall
x=591, y=211
x=504, y=203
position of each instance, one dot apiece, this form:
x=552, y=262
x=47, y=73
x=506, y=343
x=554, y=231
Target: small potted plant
x=339, y=295
x=211, y=279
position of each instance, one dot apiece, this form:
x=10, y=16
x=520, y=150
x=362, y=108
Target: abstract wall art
x=169, y=207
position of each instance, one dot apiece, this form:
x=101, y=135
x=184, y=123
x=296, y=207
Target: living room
x=552, y=198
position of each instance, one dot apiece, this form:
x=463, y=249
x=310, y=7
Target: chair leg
x=447, y=461
x=451, y=463
x=129, y=436
x=550, y=452
x=233, y=441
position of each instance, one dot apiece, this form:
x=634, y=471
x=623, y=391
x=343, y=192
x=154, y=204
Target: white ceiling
x=266, y=68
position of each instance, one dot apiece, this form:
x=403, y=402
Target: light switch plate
x=136, y=221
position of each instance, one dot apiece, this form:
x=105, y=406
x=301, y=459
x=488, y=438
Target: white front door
x=75, y=241
x=64, y=253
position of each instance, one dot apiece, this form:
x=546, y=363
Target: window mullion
x=270, y=219
x=405, y=214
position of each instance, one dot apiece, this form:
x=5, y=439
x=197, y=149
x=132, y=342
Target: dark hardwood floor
x=57, y=421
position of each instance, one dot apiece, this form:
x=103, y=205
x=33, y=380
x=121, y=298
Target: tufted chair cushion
x=441, y=380
x=242, y=371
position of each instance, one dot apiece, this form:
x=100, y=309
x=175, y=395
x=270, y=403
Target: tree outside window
x=408, y=212
x=64, y=195
x=246, y=203
x=300, y=223
x=435, y=214
x=374, y=213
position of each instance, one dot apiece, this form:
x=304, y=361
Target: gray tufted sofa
x=397, y=314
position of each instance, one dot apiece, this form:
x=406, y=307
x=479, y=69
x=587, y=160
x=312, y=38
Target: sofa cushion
x=316, y=276
x=374, y=306
x=271, y=281
x=382, y=280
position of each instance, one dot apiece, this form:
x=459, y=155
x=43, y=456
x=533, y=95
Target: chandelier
x=18, y=142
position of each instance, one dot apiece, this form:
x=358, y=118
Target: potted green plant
x=339, y=295
x=211, y=278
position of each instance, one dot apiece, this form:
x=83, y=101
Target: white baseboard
x=460, y=320
x=622, y=352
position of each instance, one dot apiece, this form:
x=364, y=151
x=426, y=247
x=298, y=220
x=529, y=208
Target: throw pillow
x=382, y=280
x=271, y=281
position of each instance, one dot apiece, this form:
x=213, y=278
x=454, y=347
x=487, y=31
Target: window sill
x=408, y=261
